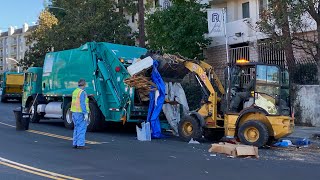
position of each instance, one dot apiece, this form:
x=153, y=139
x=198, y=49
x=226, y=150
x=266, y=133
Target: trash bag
x=143, y=133
x=156, y=102
x=303, y=142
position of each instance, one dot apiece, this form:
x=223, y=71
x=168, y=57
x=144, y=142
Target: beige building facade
x=13, y=46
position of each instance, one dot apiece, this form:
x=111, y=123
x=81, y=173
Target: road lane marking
x=52, y=135
x=7, y=124
x=36, y=171
x=59, y=136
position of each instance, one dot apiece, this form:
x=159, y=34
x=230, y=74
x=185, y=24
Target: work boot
x=75, y=147
x=83, y=147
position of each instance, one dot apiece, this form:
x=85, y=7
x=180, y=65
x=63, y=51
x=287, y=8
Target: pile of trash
x=156, y=78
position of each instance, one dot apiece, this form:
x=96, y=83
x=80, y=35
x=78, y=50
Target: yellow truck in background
x=12, y=86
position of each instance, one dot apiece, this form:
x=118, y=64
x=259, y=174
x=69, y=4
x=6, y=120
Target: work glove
x=86, y=117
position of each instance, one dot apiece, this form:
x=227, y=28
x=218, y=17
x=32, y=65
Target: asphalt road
x=116, y=154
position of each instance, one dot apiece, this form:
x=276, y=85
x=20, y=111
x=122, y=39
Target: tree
x=179, y=29
x=80, y=22
x=296, y=25
x=37, y=40
x=275, y=23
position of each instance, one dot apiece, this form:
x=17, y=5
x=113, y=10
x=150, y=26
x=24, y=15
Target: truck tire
x=188, y=128
x=253, y=133
x=213, y=134
x=95, y=117
x=67, y=117
x=34, y=118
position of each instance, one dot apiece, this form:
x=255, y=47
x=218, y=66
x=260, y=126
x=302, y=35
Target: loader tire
x=253, y=133
x=188, y=128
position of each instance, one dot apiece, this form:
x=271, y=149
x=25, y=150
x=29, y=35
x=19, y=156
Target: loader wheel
x=34, y=118
x=67, y=117
x=213, y=134
x=188, y=128
x=253, y=133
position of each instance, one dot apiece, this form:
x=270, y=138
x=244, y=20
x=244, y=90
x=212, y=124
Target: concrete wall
x=307, y=107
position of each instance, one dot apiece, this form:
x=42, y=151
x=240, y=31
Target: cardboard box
x=235, y=150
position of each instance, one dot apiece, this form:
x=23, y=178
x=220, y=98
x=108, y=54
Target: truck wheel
x=95, y=118
x=67, y=117
x=253, y=133
x=34, y=118
x=188, y=128
x=213, y=134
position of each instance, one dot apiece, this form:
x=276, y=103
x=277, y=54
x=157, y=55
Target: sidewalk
x=305, y=132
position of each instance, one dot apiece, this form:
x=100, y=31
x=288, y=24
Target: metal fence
x=305, y=72
x=271, y=53
x=239, y=53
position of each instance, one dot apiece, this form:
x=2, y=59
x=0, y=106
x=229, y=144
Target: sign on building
x=216, y=24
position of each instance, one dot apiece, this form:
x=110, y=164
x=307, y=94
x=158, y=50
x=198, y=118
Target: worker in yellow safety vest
x=80, y=114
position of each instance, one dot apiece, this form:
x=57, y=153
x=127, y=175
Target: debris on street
x=234, y=150
x=283, y=143
x=193, y=141
x=143, y=133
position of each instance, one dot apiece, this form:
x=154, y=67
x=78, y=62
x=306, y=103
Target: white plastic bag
x=144, y=133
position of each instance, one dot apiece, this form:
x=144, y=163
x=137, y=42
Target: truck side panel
x=62, y=71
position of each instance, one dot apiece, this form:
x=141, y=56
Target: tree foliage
x=178, y=29
x=38, y=40
x=78, y=22
x=294, y=24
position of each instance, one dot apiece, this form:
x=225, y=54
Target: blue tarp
x=155, y=105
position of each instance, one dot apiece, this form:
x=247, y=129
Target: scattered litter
x=35, y=141
x=305, y=142
x=283, y=143
x=234, y=150
x=208, y=159
x=231, y=156
x=144, y=133
x=193, y=141
x=213, y=155
x=316, y=136
x=173, y=157
x=206, y=172
x=105, y=142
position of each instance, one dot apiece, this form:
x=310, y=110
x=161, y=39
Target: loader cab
x=260, y=85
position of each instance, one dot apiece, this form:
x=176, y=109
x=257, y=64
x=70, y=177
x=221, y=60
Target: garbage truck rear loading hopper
x=47, y=90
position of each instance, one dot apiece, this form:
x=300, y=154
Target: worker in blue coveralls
x=80, y=114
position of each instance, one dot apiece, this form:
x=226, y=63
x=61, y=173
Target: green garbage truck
x=48, y=89
x=12, y=86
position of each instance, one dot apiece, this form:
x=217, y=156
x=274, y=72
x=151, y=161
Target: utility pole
x=142, y=42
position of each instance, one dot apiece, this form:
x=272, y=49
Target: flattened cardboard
x=234, y=149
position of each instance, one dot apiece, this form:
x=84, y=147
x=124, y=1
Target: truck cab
x=12, y=86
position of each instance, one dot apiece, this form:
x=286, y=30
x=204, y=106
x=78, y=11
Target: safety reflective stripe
x=75, y=104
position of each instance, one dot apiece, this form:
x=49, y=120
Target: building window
x=132, y=18
x=1, y=68
x=245, y=10
x=166, y=4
